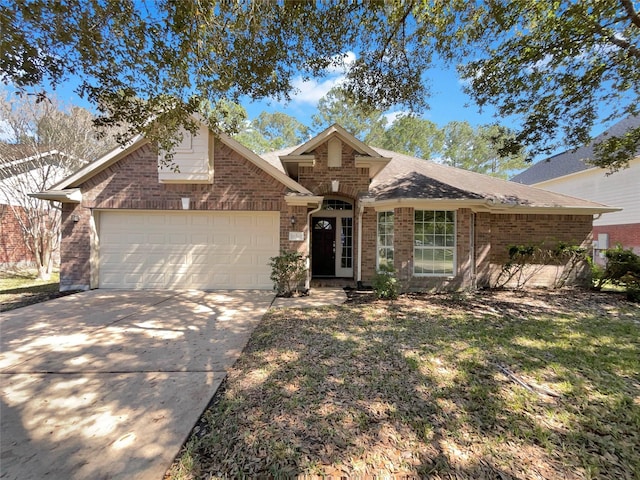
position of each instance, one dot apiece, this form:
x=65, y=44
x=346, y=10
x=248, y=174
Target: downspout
x=360, y=213
x=307, y=283
x=472, y=251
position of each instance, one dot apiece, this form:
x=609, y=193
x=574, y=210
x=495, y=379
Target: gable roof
x=408, y=179
x=138, y=141
x=335, y=130
x=572, y=161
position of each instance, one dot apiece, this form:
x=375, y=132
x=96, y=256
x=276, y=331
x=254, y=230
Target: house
x=571, y=174
x=23, y=169
x=128, y=221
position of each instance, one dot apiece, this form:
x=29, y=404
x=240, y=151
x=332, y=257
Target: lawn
x=486, y=385
x=21, y=288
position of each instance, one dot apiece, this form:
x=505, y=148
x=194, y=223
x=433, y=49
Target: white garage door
x=203, y=250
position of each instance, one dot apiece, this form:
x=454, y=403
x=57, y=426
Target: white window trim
x=455, y=247
x=378, y=236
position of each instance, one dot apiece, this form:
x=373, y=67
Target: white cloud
x=342, y=62
x=391, y=117
x=310, y=91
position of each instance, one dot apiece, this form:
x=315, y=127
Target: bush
x=526, y=261
x=620, y=262
x=623, y=268
x=288, y=272
x=385, y=283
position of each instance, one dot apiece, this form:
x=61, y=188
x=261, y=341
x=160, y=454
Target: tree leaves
x=557, y=67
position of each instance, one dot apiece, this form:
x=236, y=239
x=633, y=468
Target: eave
x=294, y=200
x=486, y=205
x=292, y=163
x=102, y=163
x=374, y=164
x=69, y=195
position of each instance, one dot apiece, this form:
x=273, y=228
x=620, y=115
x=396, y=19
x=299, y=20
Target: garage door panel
x=211, y=250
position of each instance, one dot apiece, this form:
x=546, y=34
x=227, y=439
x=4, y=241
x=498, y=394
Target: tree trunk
x=44, y=272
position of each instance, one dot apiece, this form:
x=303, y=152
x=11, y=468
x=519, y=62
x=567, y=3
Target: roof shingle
x=571, y=161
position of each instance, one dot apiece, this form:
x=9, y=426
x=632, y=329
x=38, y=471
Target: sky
x=447, y=101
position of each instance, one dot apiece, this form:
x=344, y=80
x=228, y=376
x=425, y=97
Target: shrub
x=288, y=272
x=385, y=283
x=622, y=268
x=526, y=261
x=620, y=262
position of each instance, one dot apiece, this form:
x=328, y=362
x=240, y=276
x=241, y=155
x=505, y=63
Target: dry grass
x=490, y=385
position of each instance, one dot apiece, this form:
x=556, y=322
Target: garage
x=180, y=250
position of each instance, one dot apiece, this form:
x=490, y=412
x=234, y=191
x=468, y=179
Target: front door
x=323, y=247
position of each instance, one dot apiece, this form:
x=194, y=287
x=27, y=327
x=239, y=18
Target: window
x=346, y=260
x=334, y=204
x=323, y=225
x=385, y=239
x=434, y=242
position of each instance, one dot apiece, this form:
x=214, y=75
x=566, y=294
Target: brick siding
x=538, y=230
x=492, y=236
x=13, y=250
x=132, y=183
x=626, y=235
x=353, y=181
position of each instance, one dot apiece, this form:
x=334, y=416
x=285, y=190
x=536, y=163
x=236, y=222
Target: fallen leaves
x=412, y=389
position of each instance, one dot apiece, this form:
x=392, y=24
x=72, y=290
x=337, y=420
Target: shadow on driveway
x=108, y=384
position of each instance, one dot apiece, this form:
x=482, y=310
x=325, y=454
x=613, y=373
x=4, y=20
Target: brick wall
x=538, y=230
x=369, y=244
x=353, y=181
x=492, y=235
x=132, y=183
x=626, y=235
x=13, y=250
x=403, y=251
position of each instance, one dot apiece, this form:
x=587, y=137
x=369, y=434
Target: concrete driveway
x=108, y=384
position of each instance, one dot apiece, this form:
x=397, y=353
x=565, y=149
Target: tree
x=46, y=143
x=558, y=66
x=480, y=150
x=550, y=64
x=414, y=136
x=273, y=131
x=338, y=106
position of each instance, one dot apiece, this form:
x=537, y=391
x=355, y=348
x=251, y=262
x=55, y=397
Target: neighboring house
x=215, y=222
x=570, y=174
x=20, y=172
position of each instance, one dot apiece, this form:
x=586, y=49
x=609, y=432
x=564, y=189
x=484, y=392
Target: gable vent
x=335, y=152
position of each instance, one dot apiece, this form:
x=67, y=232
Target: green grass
x=18, y=289
x=418, y=388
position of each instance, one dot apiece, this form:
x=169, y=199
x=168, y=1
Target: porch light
x=185, y=203
x=293, y=220
x=335, y=185
x=75, y=218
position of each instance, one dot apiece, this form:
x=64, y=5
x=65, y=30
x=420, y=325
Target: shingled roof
x=571, y=161
x=410, y=177
x=407, y=178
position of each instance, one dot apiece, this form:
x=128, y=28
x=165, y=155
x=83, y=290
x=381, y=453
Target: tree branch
x=618, y=41
x=631, y=12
